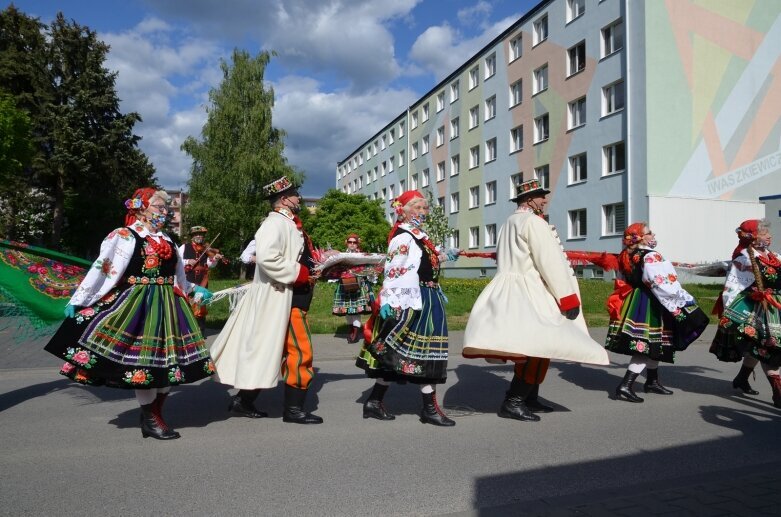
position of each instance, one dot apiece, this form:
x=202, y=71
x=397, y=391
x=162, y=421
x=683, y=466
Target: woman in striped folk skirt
x=410, y=339
x=750, y=309
x=129, y=323
x=353, y=295
x=651, y=315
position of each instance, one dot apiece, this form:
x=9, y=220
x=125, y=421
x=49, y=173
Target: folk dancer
x=353, y=295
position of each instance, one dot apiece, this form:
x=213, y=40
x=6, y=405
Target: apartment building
x=658, y=111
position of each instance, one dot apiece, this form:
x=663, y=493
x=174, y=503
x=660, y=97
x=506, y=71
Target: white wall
x=697, y=230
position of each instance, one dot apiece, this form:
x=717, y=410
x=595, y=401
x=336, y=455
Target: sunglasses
x=352, y=242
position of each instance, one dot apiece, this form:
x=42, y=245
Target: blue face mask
x=418, y=220
x=157, y=221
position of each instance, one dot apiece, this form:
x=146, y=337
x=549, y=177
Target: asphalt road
x=72, y=450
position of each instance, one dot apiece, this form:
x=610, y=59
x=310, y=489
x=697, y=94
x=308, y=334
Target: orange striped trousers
x=297, y=360
x=532, y=370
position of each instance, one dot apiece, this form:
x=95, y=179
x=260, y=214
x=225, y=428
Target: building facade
x=658, y=111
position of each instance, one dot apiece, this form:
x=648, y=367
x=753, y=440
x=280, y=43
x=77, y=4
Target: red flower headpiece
x=138, y=202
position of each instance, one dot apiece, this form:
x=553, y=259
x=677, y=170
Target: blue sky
x=344, y=67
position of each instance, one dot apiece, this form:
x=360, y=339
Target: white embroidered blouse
x=401, y=287
x=660, y=277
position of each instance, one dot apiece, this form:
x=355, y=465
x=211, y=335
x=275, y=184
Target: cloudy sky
x=344, y=67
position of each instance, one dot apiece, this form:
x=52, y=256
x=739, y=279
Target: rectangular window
x=441, y=202
x=516, y=139
x=578, y=168
x=516, y=48
x=474, y=237
x=474, y=117
x=384, y=168
x=368, y=177
x=454, y=240
x=401, y=186
x=401, y=158
x=613, y=159
x=454, y=128
x=612, y=38
x=490, y=235
x=575, y=9
x=515, y=180
x=360, y=159
x=413, y=123
x=490, y=150
x=383, y=141
x=374, y=149
x=440, y=101
x=576, y=115
x=454, y=91
x=383, y=195
x=474, y=197
x=360, y=182
x=613, y=219
x=424, y=145
x=540, y=30
x=425, y=112
x=576, y=58
x=390, y=165
x=441, y=171
x=374, y=174
x=440, y=135
x=542, y=173
x=413, y=152
x=455, y=164
x=474, y=78
x=391, y=137
x=577, y=223
x=541, y=129
x=490, y=66
x=391, y=195
x=490, y=107
x=613, y=98
x=414, y=182
x=424, y=178
x=516, y=93
x=474, y=157
x=454, y=203
x=401, y=129
x=541, y=79
x=490, y=193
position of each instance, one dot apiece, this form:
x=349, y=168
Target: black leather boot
x=624, y=390
x=652, y=384
x=432, y=414
x=354, y=336
x=741, y=381
x=533, y=403
x=294, y=407
x=157, y=407
x=373, y=407
x=775, y=383
x=243, y=404
x=514, y=404
x=153, y=425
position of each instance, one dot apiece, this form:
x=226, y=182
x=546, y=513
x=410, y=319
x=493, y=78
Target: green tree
x=15, y=154
x=86, y=159
x=436, y=223
x=339, y=214
x=239, y=152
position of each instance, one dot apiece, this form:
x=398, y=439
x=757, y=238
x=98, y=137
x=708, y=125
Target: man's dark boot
x=775, y=383
x=373, y=407
x=652, y=384
x=432, y=414
x=153, y=425
x=534, y=404
x=741, y=381
x=624, y=390
x=294, y=407
x=243, y=404
x=514, y=405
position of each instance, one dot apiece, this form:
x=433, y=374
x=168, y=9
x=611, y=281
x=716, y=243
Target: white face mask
x=651, y=243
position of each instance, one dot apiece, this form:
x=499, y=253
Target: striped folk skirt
x=358, y=302
x=645, y=327
x=749, y=328
x=412, y=347
x=143, y=336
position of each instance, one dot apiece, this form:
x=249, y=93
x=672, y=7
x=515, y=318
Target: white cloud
x=481, y=11
x=323, y=127
x=441, y=49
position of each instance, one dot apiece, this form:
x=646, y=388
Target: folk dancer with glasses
x=269, y=324
x=197, y=263
x=530, y=311
x=651, y=315
x=749, y=309
x=353, y=295
x=410, y=339
x=129, y=324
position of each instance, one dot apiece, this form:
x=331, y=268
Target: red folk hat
x=747, y=233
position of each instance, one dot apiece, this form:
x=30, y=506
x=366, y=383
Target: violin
x=212, y=252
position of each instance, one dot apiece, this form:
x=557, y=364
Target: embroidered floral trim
x=638, y=346
x=396, y=272
x=410, y=367
x=106, y=267
x=145, y=280
x=650, y=258
x=175, y=375
x=209, y=367
x=81, y=357
x=138, y=377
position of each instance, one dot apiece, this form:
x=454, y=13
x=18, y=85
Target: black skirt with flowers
x=142, y=334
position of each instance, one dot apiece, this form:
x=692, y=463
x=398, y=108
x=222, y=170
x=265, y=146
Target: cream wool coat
x=517, y=314
x=248, y=351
